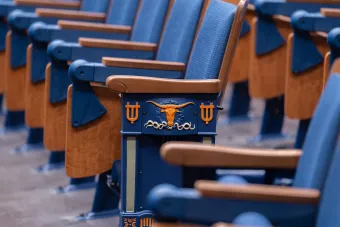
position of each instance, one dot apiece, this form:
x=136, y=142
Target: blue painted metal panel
x=268, y=37
x=19, y=44
x=305, y=53
x=60, y=82
x=3, y=32
x=85, y=105
x=151, y=170
x=39, y=61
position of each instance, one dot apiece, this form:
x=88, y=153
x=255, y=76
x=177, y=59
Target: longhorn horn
x=158, y=105
x=183, y=105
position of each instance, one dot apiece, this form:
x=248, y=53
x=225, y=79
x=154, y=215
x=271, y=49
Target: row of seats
x=128, y=90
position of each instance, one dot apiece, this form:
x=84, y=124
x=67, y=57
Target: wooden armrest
x=70, y=14
x=253, y=192
x=198, y=154
x=141, y=84
x=329, y=12
x=315, y=1
x=143, y=64
x=90, y=26
x=44, y=3
x=117, y=44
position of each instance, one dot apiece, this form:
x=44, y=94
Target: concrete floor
x=28, y=198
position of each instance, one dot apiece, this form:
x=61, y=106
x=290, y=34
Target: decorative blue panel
x=169, y=115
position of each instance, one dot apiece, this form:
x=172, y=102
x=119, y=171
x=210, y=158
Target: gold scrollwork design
x=130, y=222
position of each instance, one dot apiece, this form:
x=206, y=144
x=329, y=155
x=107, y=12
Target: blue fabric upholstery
x=170, y=48
x=148, y=27
x=207, y=55
x=330, y=203
x=321, y=139
x=99, y=6
x=122, y=12
x=251, y=218
x=180, y=31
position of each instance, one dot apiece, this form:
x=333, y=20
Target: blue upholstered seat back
x=208, y=51
x=321, y=139
x=150, y=21
x=122, y=12
x=330, y=200
x=180, y=31
x=99, y=6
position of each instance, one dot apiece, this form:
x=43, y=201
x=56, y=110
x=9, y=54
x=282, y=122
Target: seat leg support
x=14, y=122
x=301, y=134
x=239, y=104
x=105, y=203
x=272, y=121
x=34, y=141
x=56, y=161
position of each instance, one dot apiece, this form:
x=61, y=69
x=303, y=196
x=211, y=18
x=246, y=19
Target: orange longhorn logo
x=170, y=110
